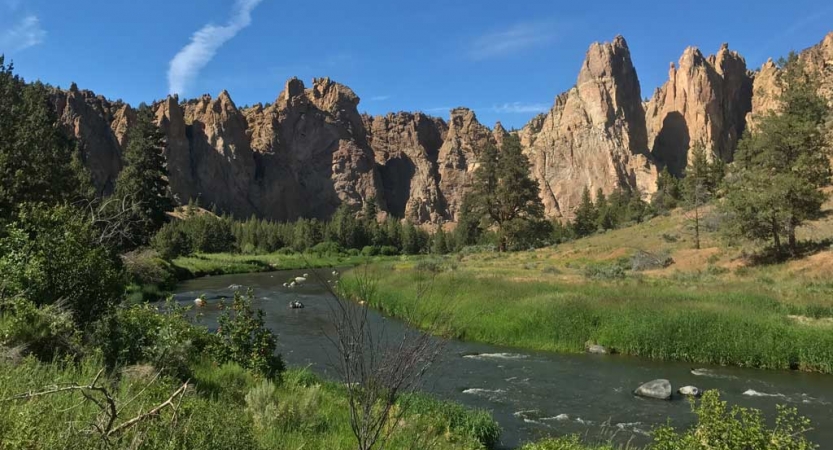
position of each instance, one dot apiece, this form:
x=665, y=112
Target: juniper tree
x=781, y=166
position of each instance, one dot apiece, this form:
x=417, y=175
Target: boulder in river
x=658, y=389
x=690, y=391
x=597, y=349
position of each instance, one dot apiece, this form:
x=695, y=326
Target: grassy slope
x=710, y=306
x=302, y=412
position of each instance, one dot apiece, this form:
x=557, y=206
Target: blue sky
x=506, y=60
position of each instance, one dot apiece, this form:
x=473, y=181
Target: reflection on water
x=531, y=394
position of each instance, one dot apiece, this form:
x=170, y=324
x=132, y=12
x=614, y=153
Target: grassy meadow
x=716, y=305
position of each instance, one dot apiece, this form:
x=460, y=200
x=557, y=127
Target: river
x=531, y=394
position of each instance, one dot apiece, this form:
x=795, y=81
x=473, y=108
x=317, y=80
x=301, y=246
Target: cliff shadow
x=672, y=143
x=397, y=175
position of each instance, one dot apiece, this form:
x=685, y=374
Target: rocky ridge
x=311, y=150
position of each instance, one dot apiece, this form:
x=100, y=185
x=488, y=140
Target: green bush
x=720, y=427
x=147, y=267
x=388, y=250
x=47, y=332
x=171, y=241
x=604, y=271
x=142, y=334
x=53, y=254
x=370, y=250
x=328, y=248
x=243, y=338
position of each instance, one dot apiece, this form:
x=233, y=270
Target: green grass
x=228, y=408
x=231, y=263
x=705, y=322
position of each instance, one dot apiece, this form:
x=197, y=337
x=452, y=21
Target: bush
x=141, y=334
x=370, y=250
x=53, y=254
x=606, y=271
x=45, y=332
x=297, y=411
x=171, y=241
x=721, y=427
x=643, y=260
x=388, y=250
x=328, y=248
x=243, y=338
x=147, y=267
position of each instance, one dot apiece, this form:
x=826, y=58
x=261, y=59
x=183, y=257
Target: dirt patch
x=818, y=265
x=825, y=322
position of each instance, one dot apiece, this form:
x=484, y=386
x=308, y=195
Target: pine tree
x=143, y=181
x=504, y=192
x=586, y=215
x=37, y=162
x=669, y=191
x=783, y=164
x=439, y=242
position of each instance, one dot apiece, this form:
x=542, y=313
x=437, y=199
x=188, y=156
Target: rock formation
x=594, y=136
x=311, y=151
x=406, y=147
x=704, y=101
x=458, y=157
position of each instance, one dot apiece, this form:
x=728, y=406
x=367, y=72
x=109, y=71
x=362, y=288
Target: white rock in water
x=198, y=302
x=597, y=349
x=306, y=275
x=300, y=279
x=658, y=389
x=690, y=391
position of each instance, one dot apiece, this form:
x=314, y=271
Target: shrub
x=328, y=248
x=429, y=265
x=145, y=266
x=551, y=270
x=295, y=411
x=46, y=332
x=243, y=338
x=388, y=250
x=721, y=427
x=53, y=254
x=670, y=238
x=607, y=271
x=643, y=260
x=370, y=250
x=171, y=241
x=141, y=334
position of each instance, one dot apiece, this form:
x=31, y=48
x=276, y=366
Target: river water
x=531, y=394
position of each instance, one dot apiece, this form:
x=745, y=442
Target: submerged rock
x=690, y=391
x=658, y=389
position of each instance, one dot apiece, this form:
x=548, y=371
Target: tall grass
x=229, y=408
x=231, y=263
x=658, y=320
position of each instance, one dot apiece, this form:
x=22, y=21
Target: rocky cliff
x=704, y=101
x=594, y=136
x=311, y=150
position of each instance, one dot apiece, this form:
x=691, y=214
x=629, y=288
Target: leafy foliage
x=52, y=255
x=244, y=338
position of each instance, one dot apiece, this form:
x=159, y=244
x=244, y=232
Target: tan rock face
x=457, y=158
x=88, y=119
x=705, y=100
x=594, y=136
x=311, y=151
x=406, y=147
x=817, y=60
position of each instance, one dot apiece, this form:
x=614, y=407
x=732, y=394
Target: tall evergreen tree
x=586, y=215
x=37, y=162
x=782, y=165
x=504, y=192
x=142, y=184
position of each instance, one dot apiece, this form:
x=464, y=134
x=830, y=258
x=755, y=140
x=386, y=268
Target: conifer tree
x=586, y=215
x=142, y=183
x=782, y=165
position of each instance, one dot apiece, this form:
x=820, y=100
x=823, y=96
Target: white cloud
x=520, y=108
x=186, y=65
x=379, y=98
x=26, y=33
x=516, y=38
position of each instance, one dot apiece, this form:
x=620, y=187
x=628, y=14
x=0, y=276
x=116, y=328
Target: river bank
x=200, y=265
x=727, y=324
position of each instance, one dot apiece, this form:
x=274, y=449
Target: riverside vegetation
x=85, y=363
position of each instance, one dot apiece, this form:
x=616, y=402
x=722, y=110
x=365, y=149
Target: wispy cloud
x=27, y=32
x=520, y=108
x=186, y=65
x=438, y=109
x=379, y=98
x=508, y=41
